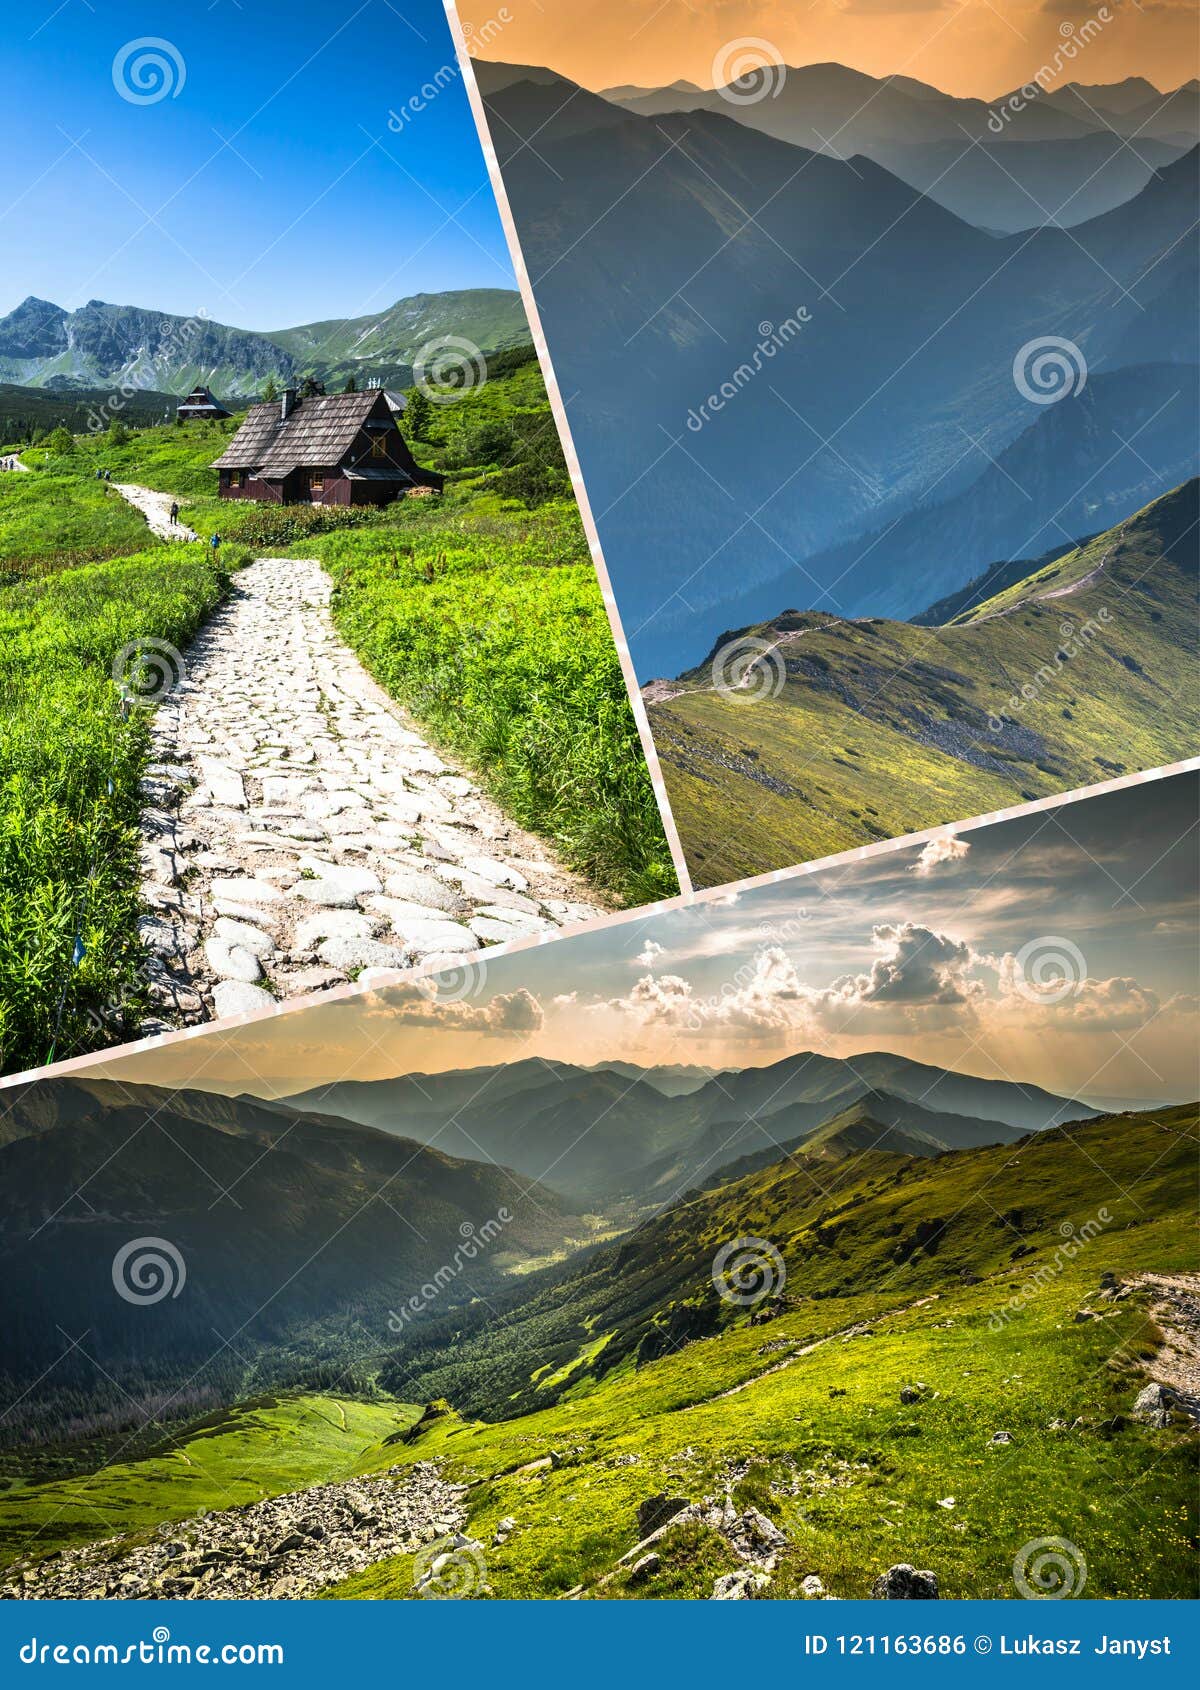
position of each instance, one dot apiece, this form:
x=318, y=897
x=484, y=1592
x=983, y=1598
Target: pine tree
x=351, y=386
x=270, y=392
x=418, y=414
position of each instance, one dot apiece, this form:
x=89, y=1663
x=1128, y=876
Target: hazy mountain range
x=648, y=1145
x=863, y=466
x=41, y=345
x=1060, y=157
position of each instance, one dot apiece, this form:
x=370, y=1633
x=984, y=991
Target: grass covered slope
x=851, y=732
x=981, y=1313
x=70, y=764
x=265, y=1447
x=53, y=517
x=597, y=1387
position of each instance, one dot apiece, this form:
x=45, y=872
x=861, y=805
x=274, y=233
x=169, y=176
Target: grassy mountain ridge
x=866, y=1225
x=1079, y=672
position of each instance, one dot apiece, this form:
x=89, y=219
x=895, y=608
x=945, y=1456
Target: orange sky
x=975, y=47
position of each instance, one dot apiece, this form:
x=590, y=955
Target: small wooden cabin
x=200, y=404
x=330, y=449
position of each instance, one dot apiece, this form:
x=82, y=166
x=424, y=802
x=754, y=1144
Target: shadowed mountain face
x=605, y=1137
x=859, y=341
x=267, y=1225
x=41, y=345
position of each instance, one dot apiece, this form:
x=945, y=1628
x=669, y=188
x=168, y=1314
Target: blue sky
x=268, y=189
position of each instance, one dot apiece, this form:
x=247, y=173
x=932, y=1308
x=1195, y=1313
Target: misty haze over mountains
x=879, y=452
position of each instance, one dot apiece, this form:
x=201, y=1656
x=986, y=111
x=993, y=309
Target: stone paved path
x=299, y=833
x=156, y=508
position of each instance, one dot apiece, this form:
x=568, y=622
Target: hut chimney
x=287, y=403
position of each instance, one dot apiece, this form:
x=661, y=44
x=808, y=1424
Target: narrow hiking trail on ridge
x=299, y=833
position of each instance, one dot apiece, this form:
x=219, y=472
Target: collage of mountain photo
x=599, y=803
x=832, y=1238
x=877, y=330
x=305, y=668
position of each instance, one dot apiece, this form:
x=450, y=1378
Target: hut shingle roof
x=317, y=434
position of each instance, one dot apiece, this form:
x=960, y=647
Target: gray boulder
x=904, y=1583
x=1154, y=1405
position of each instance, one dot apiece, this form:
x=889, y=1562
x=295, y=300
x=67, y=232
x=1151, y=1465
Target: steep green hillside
x=928, y=1306
x=490, y=318
x=265, y=1447
x=849, y=732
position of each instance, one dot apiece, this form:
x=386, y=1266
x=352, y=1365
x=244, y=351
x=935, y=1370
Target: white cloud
x=648, y=955
x=948, y=849
x=417, y=1004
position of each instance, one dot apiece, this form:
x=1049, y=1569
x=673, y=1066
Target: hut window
x=316, y=481
x=235, y=478
x=378, y=446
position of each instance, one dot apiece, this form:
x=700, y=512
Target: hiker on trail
x=215, y=543
x=174, y=515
